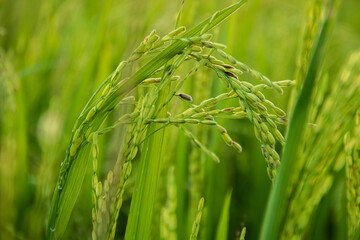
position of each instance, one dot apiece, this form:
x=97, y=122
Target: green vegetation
x=187, y=137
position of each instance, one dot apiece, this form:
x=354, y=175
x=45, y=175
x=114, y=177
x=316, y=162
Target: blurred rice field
x=55, y=54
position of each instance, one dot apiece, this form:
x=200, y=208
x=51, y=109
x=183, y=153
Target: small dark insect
x=185, y=97
x=230, y=74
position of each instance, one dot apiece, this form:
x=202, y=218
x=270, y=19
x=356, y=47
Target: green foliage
x=150, y=152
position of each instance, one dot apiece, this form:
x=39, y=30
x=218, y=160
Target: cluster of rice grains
x=263, y=114
x=253, y=103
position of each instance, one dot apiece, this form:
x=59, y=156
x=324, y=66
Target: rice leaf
x=222, y=230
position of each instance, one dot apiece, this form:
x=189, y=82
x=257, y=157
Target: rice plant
x=210, y=124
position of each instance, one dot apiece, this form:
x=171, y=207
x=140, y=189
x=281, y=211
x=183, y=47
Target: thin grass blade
x=222, y=230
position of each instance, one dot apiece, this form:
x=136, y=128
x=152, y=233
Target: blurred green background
x=54, y=54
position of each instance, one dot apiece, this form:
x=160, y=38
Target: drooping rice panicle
x=168, y=221
x=254, y=105
x=196, y=223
